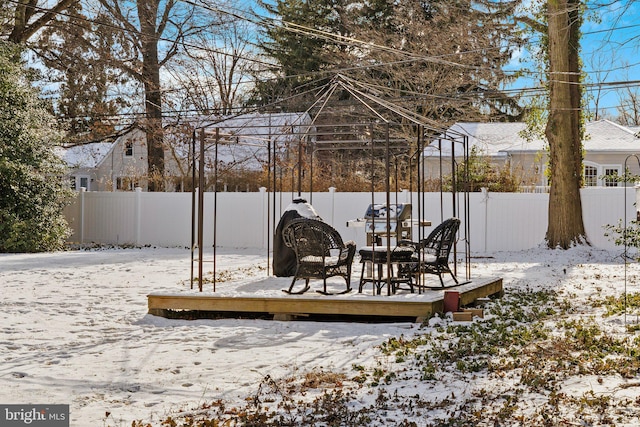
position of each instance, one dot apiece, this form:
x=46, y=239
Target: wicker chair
x=320, y=253
x=432, y=254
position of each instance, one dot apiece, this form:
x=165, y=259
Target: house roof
x=501, y=139
x=244, y=139
x=91, y=155
x=492, y=139
x=84, y=156
x=257, y=124
x=607, y=136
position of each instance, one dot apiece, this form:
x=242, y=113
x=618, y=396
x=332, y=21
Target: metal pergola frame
x=374, y=135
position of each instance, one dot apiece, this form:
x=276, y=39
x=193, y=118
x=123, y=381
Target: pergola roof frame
x=375, y=105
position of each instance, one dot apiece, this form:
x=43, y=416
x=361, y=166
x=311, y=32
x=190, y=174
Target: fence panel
x=513, y=221
x=164, y=221
x=74, y=215
x=497, y=221
x=239, y=219
x=602, y=206
x=109, y=217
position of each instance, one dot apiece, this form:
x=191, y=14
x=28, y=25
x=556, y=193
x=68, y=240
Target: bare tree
x=600, y=63
x=156, y=29
x=559, y=24
x=212, y=77
x=629, y=108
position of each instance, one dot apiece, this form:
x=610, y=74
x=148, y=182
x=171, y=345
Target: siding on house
x=122, y=165
x=607, y=148
x=108, y=166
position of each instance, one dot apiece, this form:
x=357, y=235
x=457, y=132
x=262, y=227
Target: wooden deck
x=348, y=307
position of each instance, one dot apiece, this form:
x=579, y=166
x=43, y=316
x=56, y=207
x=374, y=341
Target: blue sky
x=610, y=53
x=611, y=48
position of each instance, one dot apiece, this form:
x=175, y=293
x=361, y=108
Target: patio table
x=376, y=258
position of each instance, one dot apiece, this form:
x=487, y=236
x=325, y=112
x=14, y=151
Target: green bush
x=32, y=192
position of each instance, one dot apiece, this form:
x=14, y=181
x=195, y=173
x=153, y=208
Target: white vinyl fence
x=497, y=221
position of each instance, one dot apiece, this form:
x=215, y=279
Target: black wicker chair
x=431, y=255
x=320, y=253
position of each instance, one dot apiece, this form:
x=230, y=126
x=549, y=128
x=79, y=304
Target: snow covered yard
x=554, y=351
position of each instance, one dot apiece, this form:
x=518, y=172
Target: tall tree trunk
x=147, y=13
x=563, y=130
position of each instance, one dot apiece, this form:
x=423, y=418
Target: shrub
x=31, y=185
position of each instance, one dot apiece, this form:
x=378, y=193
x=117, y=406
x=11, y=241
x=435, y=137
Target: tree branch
x=532, y=23
x=22, y=30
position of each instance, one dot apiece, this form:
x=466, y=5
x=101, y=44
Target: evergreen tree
x=442, y=58
x=32, y=192
x=306, y=44
x=77, y=51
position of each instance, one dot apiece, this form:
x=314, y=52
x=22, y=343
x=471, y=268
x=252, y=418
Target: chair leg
x=293, y=282
x=410, y=282
x=348, y=279
x=394, y=285
x=455, y=279
x=446, y=269
x=361, y=278
x=377, y=286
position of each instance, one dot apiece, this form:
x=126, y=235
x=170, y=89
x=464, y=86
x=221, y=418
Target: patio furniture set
x=321, y=253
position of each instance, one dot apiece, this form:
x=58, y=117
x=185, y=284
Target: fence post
x=485, y=200
x=137, y=214
x=637, y=188
x=332, y=192
x=265, y=220
x=81, y=226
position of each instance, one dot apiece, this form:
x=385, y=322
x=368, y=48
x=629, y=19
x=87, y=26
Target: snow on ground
x=74, y=329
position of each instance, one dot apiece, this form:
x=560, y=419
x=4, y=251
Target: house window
x=601, y=175
x=609, y=173
x=128, y=149
x=77, y=181
x=590, y=176
x=126, y=183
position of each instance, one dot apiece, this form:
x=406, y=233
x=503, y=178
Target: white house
x=607, y=148
x=243, y=143
x=108, y=166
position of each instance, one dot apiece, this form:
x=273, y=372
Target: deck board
x=403, y=304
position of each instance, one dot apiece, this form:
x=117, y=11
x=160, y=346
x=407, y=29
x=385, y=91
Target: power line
x=316, y=33
x=312, y=32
